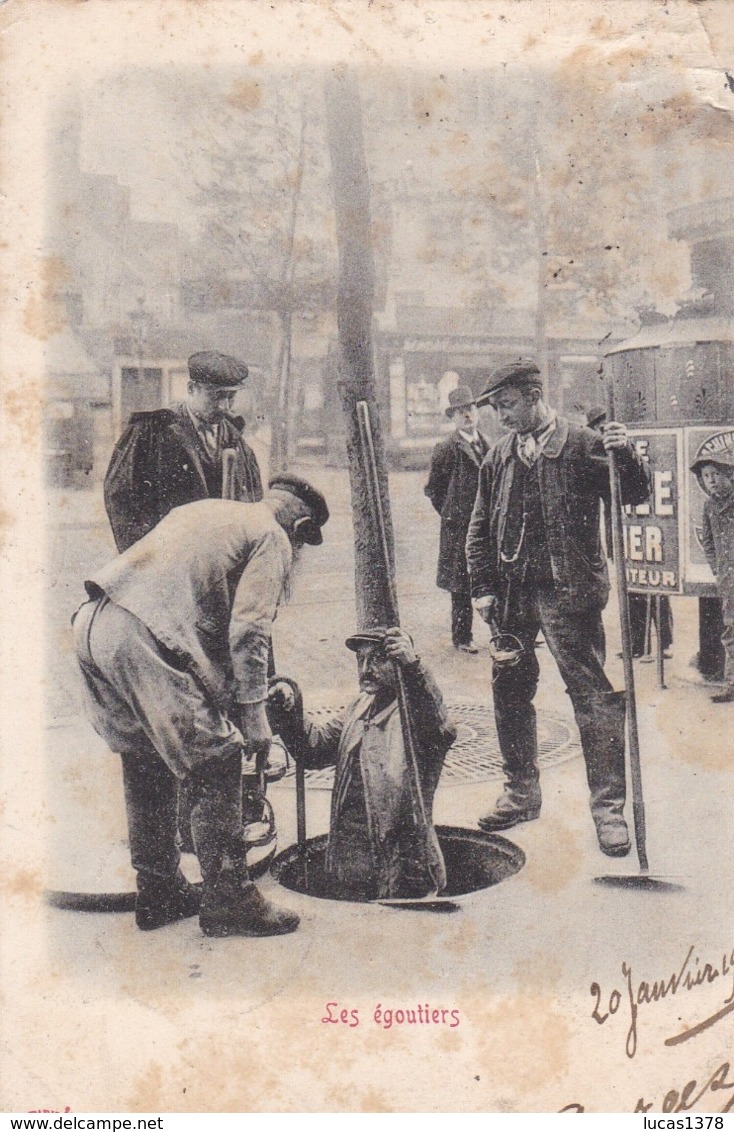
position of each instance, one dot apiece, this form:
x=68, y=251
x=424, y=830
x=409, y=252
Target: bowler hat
x=596, y=416
x=460, y=398
x=310, y=532
x=517, y=375
x=208, y=367
x=366, y=637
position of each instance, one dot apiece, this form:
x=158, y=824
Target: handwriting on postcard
x=636, y=995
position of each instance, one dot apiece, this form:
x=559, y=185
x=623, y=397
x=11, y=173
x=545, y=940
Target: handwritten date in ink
x=691, y=975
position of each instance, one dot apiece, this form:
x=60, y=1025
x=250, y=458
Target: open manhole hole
x=474, y=861
x=475, y=756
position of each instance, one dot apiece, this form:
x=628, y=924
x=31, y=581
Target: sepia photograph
x=367, y=556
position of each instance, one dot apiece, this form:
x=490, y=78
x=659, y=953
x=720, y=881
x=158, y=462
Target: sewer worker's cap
x=310, y=529
x=596, y=416
x=517, y=375
x=366, y=637
x=220, y=370
x=460, y=398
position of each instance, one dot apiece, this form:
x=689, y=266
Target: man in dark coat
x=381, y=843
x=535, y=560
x=452, y=488
x=173, y=650
x=174, y=456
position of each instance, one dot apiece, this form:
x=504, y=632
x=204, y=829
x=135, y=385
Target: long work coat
x=452, y=489
x=159, y=463
x=206, y=581
x=378, y=844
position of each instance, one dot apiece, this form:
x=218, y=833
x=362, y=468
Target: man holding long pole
x=535, y=561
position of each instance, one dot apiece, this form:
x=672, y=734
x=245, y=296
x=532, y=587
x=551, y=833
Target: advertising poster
x=652, y=529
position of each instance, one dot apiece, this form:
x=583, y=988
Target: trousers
x=576, y=642
x=156, y=716
x=461, y=617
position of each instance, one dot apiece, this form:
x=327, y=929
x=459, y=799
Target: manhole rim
x=506, y=848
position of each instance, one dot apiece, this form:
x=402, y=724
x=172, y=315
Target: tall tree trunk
x=541, y=328
x=280, y=450
x=355, y=297
x=279, y=444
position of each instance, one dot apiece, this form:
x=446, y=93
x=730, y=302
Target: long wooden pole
x=406, y=721
x=375, y=601
x=638, y=804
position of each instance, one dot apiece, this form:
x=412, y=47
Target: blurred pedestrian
x=452, y=488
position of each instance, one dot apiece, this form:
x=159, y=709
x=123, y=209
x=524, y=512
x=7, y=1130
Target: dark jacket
x=452, y=488
x=385, y=847
x=717, y=539
x=573, y=472
x=158, y=464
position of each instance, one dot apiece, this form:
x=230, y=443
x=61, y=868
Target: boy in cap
x=173, y=456
x=535, y=561
x=715, y=473
x=380, y=843
x=452, y=488
x=173, y=649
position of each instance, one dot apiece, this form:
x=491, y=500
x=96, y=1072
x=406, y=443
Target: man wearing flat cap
x=452, y=488
x=173, y=650
x=535, y=561
x=381, y=843
x=173, y=456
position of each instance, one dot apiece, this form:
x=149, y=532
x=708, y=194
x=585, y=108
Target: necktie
x=209, y=435
x=528, y=447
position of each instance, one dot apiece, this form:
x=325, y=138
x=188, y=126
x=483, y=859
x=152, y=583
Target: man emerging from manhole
x=381, y=837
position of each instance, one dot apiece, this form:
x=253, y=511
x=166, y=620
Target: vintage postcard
x=360, y=355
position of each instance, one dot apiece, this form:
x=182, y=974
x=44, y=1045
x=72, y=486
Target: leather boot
x=165, y=900
x=518, y=735
x=150, y=806
x=231, y=904
x=164, y=895
x=600, y=720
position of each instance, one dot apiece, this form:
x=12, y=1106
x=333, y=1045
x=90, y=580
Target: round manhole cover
x=475, y=756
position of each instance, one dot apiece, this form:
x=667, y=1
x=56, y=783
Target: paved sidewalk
x=549, y=927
